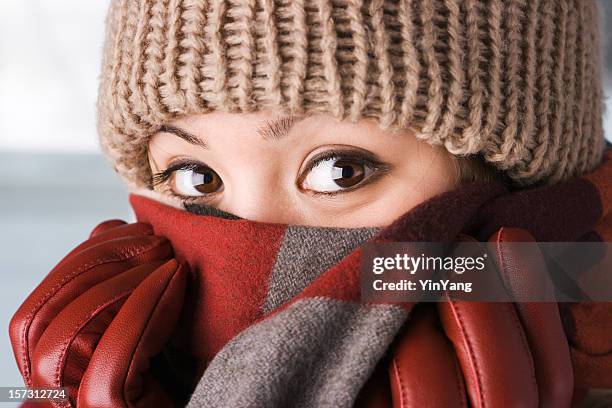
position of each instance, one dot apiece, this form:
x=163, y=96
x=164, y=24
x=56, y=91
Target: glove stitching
x=502, y=262
x=456, y=310
x=515, y=318
x=53, y=291
x=138, y=343
x=123, y=256
x=525, y=345
x=459, y=383
x=79, y=325
x=399, y=381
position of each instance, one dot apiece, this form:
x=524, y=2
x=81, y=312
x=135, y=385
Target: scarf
x=273, y=315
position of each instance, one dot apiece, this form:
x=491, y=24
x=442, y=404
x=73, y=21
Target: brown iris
x=351, y=172
x=206, y=181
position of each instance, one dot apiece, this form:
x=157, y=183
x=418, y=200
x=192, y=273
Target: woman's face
x=311, y=170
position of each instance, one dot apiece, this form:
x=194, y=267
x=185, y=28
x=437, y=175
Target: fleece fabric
x=273, y=315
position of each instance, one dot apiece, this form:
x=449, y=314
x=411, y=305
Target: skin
x=264, y=175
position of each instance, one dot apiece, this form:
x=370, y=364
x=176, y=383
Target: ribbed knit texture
x=517, y=81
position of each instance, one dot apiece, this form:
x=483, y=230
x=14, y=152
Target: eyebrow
x=274, y=129
x=183, y=134
x=278, y=128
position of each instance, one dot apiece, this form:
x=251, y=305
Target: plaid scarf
x=273, y=315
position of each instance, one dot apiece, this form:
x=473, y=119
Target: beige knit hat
x=517, y=81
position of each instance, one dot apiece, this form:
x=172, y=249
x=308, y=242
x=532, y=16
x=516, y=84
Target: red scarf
x=262, y=295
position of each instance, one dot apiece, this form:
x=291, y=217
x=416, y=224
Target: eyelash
x=362, y=157
x=365, y=158
x=164, y=176
x=161, y=179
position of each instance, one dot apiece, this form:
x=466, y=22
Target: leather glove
x=95, y=321
x=588, y=325
x=487, y=354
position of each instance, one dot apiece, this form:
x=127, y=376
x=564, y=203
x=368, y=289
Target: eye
x=336, y=173
x=196, y=181
x=189, y=179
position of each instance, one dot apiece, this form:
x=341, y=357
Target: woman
x=266, y=142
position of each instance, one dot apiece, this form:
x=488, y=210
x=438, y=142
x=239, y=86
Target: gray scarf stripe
x=318, y=352
x=305, y=253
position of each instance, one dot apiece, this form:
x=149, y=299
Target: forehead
x=266, y=129
x=272, y=124
x=214, y=122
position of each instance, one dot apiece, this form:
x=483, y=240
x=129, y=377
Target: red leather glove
x=487, y=354
x=99, y=316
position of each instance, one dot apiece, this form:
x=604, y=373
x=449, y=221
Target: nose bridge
x=261, y=196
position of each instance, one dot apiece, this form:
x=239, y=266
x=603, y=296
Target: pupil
x=207, y=178
x=350, y=173
x=347, y=172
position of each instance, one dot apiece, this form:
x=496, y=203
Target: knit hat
x=515, y=81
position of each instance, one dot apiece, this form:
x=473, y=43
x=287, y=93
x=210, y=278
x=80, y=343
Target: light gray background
x=54, y=184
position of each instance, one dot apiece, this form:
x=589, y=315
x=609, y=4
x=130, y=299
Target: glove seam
x=125, y=255
x=399, y=381
x=515, y=312
x=474, y=363
x=459, y=383
x=138, y=343
x=79, y=325
x=502, y=261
